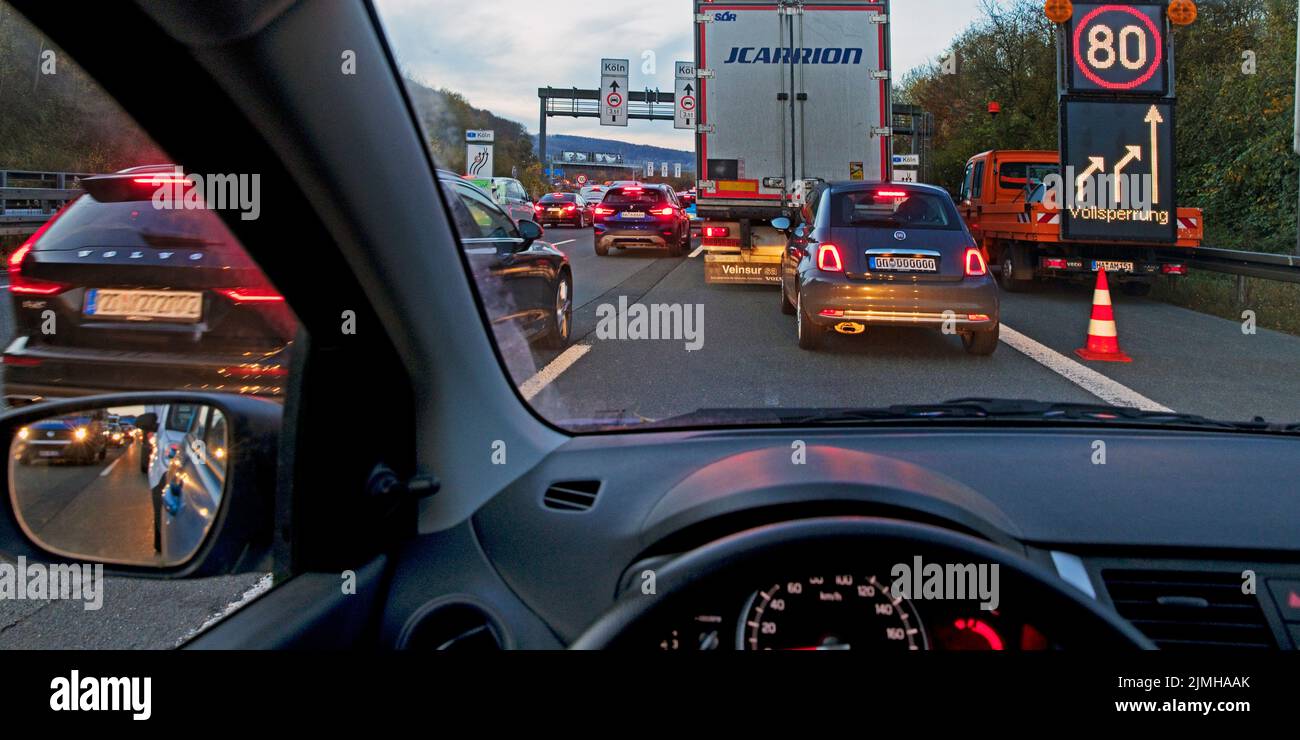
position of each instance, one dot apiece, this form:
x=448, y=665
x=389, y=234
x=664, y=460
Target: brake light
x=664, y=211
x=162, y=180
x=891, y=193
x=601, y=211
x=835, y=313
x=31, y=286
x=538, y=208
x=1054, y=263
x=717, y=231
x=975, y=263
x=1174, y=269
x=828, y=258
x=570, y=208
x=252, y=295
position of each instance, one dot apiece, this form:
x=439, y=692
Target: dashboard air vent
x=457, y=627
x=579, y=495
x=1189, y=610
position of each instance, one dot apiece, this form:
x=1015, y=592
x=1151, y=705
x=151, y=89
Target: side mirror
x=531, y=232
x=199, y=500
x=801, y=231
x=782, y=223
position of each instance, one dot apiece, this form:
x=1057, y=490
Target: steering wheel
x=1068, y=616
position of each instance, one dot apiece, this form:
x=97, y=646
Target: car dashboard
x=1188, y=536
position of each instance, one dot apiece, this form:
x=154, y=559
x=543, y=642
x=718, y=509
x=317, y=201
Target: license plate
x=173, y=305
x=49, y=453
x=633, y=214
x=905, y=264
x=1111, y=266
x=556, y=212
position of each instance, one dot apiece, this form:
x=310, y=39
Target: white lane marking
x=257, y=589
x=110, y=467
x=560, y=244
x=548, y=374
x=697, y=251
x=1081, y=375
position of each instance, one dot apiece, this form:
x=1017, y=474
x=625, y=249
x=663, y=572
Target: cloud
x=498, y=52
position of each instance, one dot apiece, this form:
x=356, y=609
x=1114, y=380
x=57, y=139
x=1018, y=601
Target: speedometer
x=830, y=613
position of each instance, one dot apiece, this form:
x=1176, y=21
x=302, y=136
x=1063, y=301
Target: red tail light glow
x=891, y=193
x=717, y=231
x=828, y=258
x=664, y=211
x=1054, y=263
x=570, y=208
x=252, y=295
x=975, y=263
x=601, y=211
x=1174, y=269
x=31, y=286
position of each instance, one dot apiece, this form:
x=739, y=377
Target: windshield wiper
x=999, y=409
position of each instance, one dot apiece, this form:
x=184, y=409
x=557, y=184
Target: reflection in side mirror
x=800, y=231
x=530, y=231
x=98, y=485
x=781, y=224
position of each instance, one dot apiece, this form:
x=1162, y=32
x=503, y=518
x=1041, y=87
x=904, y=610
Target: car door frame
x=358, y=188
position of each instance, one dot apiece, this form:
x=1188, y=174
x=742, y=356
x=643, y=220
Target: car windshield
x=952, y=200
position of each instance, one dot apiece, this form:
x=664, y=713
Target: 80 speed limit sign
x=1117, y=48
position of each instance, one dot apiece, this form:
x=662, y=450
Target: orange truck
x=1001, y=201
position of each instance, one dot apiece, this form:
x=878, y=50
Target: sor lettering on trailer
x=788, y=55
x=726, y=17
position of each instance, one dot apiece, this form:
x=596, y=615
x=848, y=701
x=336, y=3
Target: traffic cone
x=1103, y=339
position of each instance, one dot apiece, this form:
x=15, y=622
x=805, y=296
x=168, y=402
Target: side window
x=466, y=226
x=175, y=302
x=517, y=191
x=965, y=183
x=977, y=185
x=491, y=221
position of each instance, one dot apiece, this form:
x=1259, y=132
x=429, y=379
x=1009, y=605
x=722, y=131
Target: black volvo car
x=123, y=291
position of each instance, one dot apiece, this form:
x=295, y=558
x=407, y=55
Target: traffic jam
x=785, y=212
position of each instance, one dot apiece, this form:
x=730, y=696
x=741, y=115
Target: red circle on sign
x=582, y=179
x=614, y=100
x=1155, y=35
x=688, y=102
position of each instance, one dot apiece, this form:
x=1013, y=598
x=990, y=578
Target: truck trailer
x=790, y=94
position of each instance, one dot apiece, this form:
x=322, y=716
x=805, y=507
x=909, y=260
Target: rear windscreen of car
x=628, y=197
x=559, y=198
x=889, y=207
x=136, y=223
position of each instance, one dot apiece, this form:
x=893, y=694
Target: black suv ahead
x=116, y=293
x=643, y=215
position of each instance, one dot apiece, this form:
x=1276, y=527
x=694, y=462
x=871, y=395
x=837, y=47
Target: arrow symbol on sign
x=1134, y=152
x=1098, y=164
x=613, y=85
x=1155, y=119
x=691, y=91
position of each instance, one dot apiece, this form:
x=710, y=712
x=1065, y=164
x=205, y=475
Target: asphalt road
x=1182, y=360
